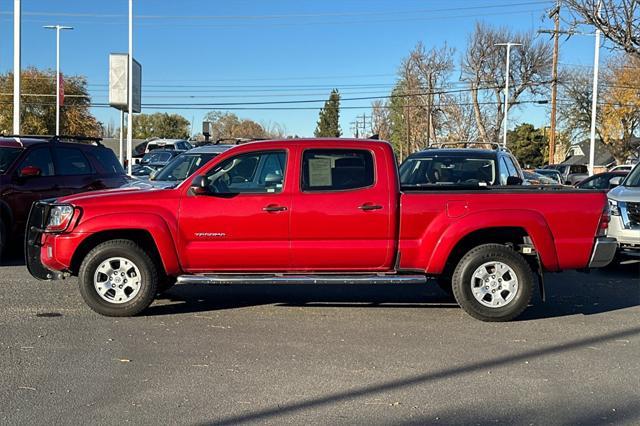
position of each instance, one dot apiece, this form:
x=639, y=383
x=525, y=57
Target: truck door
x=241, y=223
x=342, y=216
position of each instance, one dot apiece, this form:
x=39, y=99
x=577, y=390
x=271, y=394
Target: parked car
x=180, y=167
x=622, y=168
x=153, y=161
x=533, y=178
x=32, y=169
x=624, y=202
x=571, y=173
x=175, y=144
x=321, y=211
x=605, y=181
x=462, y=167
x=550, y=173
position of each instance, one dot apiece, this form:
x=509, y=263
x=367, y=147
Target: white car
x=624, y=203
x=622, y=168
x=175, y=144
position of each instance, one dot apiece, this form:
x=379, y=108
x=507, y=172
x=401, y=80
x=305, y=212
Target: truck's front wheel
x=492, y=282
x=118, y=279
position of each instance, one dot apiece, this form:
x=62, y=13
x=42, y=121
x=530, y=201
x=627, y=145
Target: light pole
x=130, y=92
x=57, y=28
x=17, y=50
x=594, y=99
x=506, y=88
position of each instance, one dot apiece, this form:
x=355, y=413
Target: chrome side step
x=301, y=279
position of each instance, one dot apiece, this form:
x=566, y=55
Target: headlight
x=59, y=218
x=614, y=208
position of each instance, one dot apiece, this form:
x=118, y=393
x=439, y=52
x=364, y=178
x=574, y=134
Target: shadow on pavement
x=567, y=294
x=435, y=376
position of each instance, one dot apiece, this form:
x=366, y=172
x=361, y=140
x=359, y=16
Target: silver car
x=624, y=202
x=181, y=167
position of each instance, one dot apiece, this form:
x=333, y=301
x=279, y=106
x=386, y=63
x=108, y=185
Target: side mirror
x=613, y=182
x=30, y=171
x=514, y=180
x=199, y=185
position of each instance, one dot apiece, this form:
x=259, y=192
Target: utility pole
x=594, y=99
x=130, y=92
x=17, y=49
x=554, y=82
x=57, y=28
x=506, y=89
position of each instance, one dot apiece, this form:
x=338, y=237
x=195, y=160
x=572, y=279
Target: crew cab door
x=241, y=221
x=342, y=217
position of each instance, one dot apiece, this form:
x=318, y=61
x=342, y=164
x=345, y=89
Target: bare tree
x=380, y=119
x=459, y=124
x=483, y=67
x=619, y=20
x=432, y=69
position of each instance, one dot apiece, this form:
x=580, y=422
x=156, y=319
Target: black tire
x=148, y=278
x=473, y=260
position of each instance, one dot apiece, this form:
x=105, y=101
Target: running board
x=301, y=279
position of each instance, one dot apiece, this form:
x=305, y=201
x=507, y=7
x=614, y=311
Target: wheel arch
x=142, y=237
x=501, y=227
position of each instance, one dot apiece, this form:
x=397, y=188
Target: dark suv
x=33, y=168
x=461, y=165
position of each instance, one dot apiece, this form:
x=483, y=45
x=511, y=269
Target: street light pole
x=17, y=47
x=57, y=28
x=506, y=89
x=130, y=92
x=594, y=100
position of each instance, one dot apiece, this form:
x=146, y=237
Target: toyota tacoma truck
x=321, y=211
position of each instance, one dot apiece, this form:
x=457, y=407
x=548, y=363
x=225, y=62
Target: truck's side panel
x=562, y=225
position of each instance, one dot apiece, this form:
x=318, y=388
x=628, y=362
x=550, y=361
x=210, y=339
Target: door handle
x=274, y=208
x=368, y=206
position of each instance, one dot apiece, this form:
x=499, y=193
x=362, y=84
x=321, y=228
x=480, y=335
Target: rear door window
x=106, y=161
x=40, y=158
x=336, y=169
x=71, y=162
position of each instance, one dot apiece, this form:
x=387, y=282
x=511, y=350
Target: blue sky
x=256, y=51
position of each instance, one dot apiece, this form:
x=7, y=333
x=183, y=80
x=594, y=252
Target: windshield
x=7, y=157
x=633, y=179
x=448, y=171
x=183, y=166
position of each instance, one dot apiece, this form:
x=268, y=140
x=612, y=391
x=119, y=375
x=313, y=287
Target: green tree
x=329, y=117
x=529, y=145
x=38, y=112
x=160, y=124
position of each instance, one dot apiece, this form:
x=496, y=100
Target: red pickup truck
x=318, y=211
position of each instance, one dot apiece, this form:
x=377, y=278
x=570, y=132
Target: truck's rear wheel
x=493, y=283
x=118, y=279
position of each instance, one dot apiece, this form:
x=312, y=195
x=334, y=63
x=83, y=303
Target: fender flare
x=154, y=224
x=532, y=222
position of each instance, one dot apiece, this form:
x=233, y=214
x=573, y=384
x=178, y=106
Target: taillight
x=604, y=222
x=59, y=218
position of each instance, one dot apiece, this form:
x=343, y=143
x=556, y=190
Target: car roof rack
x=58, y=138
x=236, y=141
x=494, y=145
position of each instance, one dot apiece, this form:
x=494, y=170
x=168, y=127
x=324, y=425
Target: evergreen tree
x=329, y=118
x=528, y=145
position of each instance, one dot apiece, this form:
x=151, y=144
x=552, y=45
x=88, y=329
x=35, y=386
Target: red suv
x=33, y=168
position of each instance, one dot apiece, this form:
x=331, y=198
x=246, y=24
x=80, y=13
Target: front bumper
x=33, y=240
x=628, y=237
x=604, y=250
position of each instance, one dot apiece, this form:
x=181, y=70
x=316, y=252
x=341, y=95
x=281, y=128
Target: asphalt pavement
x=295, y=354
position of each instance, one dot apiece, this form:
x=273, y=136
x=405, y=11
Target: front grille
x=633, y=211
